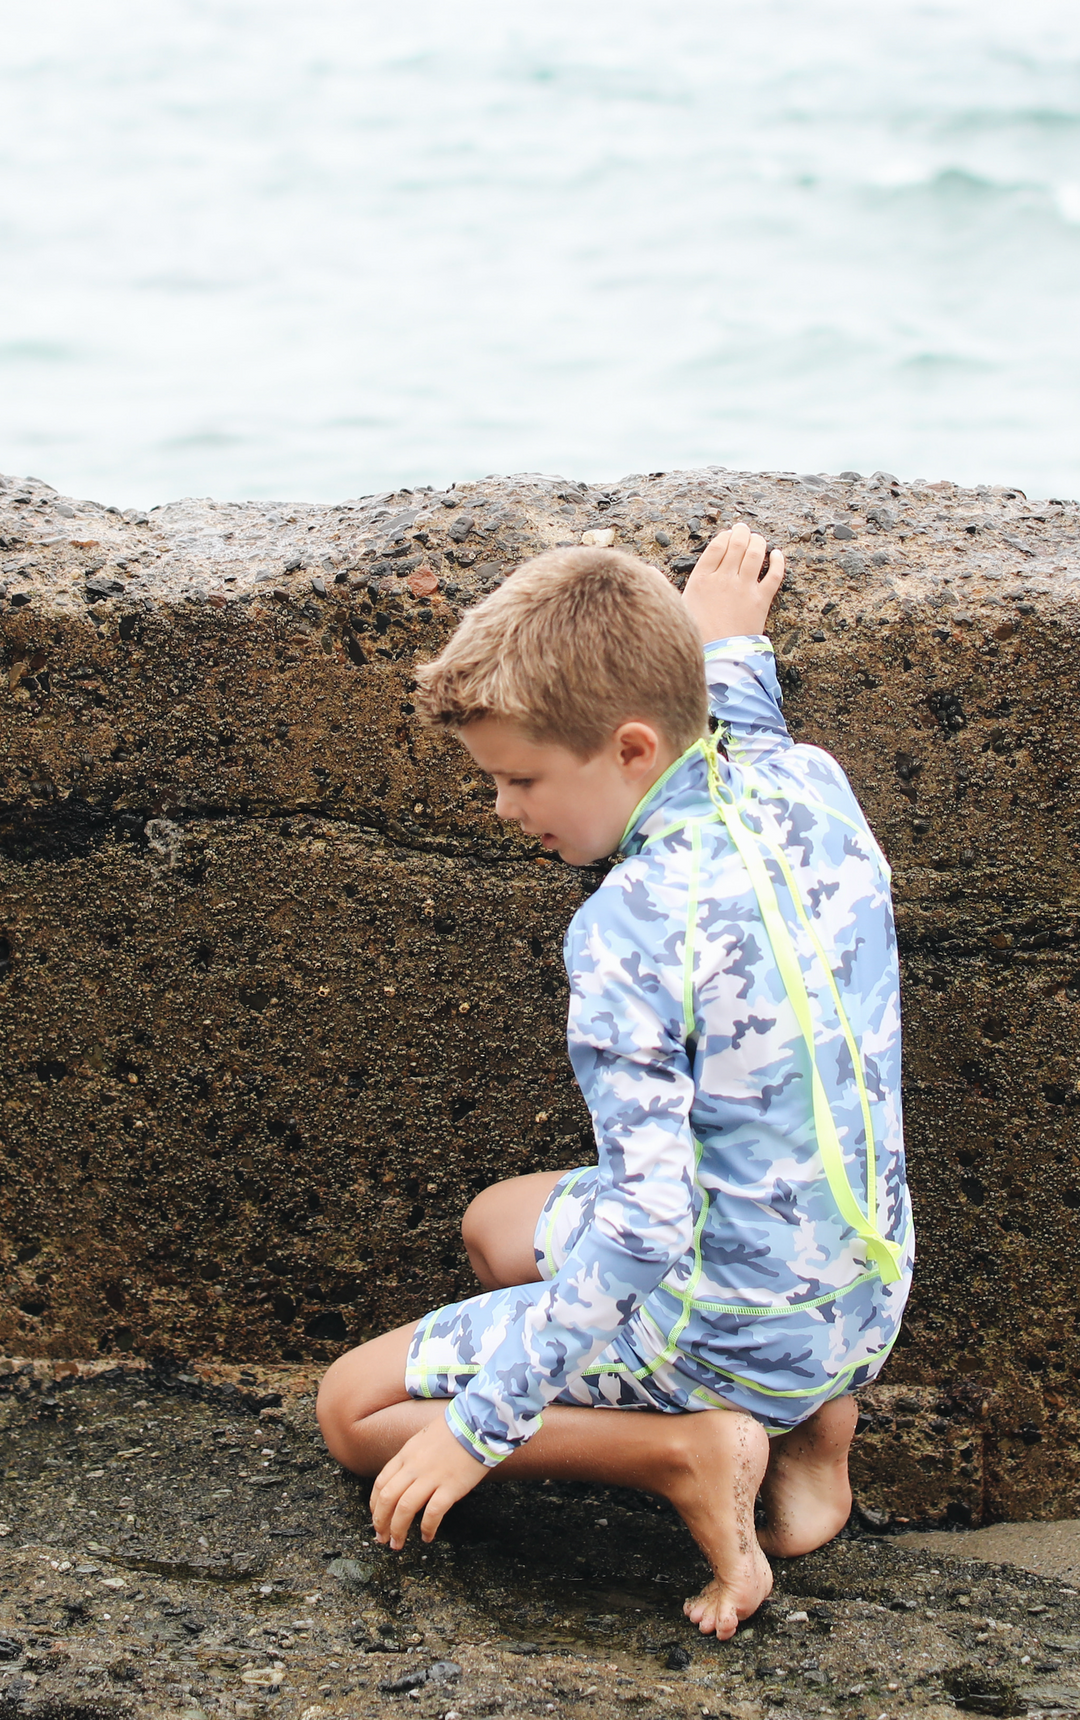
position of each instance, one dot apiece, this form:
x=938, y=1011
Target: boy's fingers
x=777, y=566
x=386, y=1505
x=411, y=1501
x=437, y=1507
x=383, y=1511
x=383, y=1493
x=737, y=551
x=384, y=1477
x=712, y=555
x=753, y=555
x=739, y=540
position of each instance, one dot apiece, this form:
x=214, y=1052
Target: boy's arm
x=729, y=599
x=628, y=1050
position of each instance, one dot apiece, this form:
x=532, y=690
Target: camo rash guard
x=720, y=1253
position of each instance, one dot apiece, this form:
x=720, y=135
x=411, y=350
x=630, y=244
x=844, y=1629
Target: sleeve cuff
x=489, y=1452
x=758, y=641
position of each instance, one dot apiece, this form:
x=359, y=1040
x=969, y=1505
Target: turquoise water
x=313, y=248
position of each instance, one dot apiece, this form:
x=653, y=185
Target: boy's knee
x=474, y=1230
x=326, y=1402
x=334, y=1408
x=472, y=1219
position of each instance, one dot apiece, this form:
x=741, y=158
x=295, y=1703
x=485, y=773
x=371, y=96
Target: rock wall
x=278, y=993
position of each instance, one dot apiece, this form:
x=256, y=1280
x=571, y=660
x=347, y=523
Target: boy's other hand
x=430, y=1473
x=727, y=594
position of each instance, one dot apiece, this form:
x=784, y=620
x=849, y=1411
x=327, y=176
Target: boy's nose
x=504, y=804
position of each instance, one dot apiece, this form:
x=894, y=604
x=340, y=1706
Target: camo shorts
x=456, y=1342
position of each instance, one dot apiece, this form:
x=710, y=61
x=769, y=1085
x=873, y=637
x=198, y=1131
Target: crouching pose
x=737, y=1261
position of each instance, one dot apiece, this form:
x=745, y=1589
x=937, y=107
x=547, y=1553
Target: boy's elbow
x=682, y=1238
x=656, y=1238
x=669, y=1240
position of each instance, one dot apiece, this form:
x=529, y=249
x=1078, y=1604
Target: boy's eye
x=521, y=782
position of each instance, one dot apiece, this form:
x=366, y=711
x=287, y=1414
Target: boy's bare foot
x=726, y=594
x=722, y=1457
x=806, y=1492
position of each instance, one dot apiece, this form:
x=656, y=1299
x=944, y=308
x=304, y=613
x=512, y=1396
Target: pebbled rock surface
x=170, y=1548
x=277, y=993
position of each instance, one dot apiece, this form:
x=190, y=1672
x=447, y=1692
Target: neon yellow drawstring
x=886, y=1255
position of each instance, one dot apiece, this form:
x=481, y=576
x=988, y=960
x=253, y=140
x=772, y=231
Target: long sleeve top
x=713, y=1212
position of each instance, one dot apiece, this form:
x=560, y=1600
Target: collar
x=687, y=779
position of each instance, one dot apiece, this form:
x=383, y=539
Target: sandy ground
x=1048, y=1549
x=173, y=1546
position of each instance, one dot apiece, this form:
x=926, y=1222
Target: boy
x=742, y=1250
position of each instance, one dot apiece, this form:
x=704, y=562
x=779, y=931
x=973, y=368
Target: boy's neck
x=666, y=761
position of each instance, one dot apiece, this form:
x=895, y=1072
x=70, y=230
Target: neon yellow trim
x=689, y=1020
x=845, y=1027
x=422, y=1371
x=853, y=1050
x=833, y=1388
x=549, y=1233
x=673, y=829
x=783, y=1308
x=714, y=644
x=818, y=807
x=453, y=1414
x=799, y=1391
x=650, y=793
x=671, y=1343
x=885, y=1254
x=753, y=787
x=596, y=1370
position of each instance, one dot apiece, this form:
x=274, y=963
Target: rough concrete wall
x=278, y=993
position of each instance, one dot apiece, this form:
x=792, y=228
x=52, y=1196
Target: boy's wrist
x=722, y=639
x=470, y=1440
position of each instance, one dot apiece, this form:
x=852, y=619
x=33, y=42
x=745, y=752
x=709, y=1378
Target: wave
x=957, y=183
x=38, y=352
x=956, y=189
x=932, y=364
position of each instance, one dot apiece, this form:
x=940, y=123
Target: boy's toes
x=713, y=1611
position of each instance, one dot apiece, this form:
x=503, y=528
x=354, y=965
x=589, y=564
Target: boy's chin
x=571, y=856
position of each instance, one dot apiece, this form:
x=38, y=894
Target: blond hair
x=574, y=643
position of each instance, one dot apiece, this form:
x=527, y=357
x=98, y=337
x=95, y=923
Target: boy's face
x=577, y=807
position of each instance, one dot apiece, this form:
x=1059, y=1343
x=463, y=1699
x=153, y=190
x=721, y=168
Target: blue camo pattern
x=708, y=1263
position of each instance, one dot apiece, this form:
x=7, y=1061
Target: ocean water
x=315, y=248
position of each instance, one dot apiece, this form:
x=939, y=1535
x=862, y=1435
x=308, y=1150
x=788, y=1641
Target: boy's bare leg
x=499, y=1226
x=709, y=1464
x=806, y=1492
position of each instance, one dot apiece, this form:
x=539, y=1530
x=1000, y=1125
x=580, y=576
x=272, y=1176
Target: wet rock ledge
x=170, y=1549
x=277, y=993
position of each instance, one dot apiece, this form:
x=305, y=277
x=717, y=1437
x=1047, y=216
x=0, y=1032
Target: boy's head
x=574, y=686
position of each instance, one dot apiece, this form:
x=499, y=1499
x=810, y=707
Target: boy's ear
x=638, y=747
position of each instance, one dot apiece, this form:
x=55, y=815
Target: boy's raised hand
x=726, y=593
x=430, y=1473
